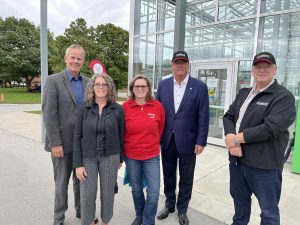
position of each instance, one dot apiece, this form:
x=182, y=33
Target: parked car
x=14, y=83
x=22, y=84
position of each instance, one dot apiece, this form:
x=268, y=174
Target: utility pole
x=44, y=57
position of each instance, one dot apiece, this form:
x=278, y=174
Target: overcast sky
x=62, y=12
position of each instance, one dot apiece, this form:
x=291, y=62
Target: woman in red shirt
x=144, y=124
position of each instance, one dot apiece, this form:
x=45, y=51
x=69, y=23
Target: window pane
x=236, y=9
x=230, y=40
x=277, y=5
x=200, y=12
x=164, y=56
x=143, y=56
x=244, y=75
x=280, y=35
x=166, y=15
x=145, y=17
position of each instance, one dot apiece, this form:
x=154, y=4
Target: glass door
x=220, y=78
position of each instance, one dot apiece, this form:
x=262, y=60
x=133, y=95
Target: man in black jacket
x=256, y=129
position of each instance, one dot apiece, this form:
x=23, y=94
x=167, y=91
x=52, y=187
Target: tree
x=107, y=43
x=112, y=44
x=77, y=33
x=20, y=49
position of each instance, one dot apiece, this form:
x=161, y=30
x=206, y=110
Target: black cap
x=180, y=55
x=266, y=57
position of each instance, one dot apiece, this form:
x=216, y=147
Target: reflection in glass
x=244, y=75
x=143, y=56
x=164, y=55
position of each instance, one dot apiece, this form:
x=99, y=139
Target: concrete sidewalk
x=27, y=187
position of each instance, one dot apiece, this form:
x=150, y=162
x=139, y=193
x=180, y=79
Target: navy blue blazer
x=190, y=123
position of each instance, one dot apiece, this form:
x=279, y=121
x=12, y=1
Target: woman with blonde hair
x=98, y=148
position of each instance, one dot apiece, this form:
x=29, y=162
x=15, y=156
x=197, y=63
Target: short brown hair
x=131, y=94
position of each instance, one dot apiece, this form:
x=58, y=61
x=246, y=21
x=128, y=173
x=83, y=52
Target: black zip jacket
x=265, y=126
x=85, y=135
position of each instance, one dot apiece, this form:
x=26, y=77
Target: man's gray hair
x=75, y=46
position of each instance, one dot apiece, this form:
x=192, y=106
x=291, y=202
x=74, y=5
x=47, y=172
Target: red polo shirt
x=143, y=128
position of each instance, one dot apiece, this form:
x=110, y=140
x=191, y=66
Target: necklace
x=142, y=106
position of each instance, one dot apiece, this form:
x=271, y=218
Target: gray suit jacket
x=60, y=111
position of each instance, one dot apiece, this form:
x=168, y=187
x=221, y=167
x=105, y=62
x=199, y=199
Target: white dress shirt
x=179, y=89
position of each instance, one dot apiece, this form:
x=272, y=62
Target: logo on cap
x=263, y=55
x=266, y=57
x=180, y=55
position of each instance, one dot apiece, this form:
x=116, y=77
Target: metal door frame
x=231, y=81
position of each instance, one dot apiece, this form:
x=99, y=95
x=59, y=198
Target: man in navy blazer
x=185, y=100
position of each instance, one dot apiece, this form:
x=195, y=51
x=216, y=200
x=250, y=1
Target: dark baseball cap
x=266, y=57
x=180, y=55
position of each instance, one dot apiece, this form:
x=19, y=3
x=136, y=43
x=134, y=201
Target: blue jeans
x=264, y=184
x=150, y=170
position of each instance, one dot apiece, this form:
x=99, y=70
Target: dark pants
x=266, y=186
x=187, y=162
x=62, y=168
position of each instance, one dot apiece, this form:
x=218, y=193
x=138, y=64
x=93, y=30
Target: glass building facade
x=221, y=38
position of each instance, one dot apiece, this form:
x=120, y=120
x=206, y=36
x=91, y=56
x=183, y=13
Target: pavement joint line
x=7, y=112
x=23, y=136
x=220, y=167
x=214, y=198
x=161, y=196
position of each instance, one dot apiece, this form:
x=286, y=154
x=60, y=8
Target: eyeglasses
x=99, y=85
x=138, y=87
x=264, y=67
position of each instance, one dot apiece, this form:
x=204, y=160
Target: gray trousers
x=63, y=169
x=107, y=168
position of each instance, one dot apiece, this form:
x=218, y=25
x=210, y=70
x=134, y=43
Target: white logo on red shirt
x=151, y=115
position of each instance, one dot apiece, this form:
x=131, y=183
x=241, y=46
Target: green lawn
x=19, y=95
x=34, y=112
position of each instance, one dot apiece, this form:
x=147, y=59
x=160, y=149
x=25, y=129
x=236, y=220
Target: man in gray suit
x=63, y=94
